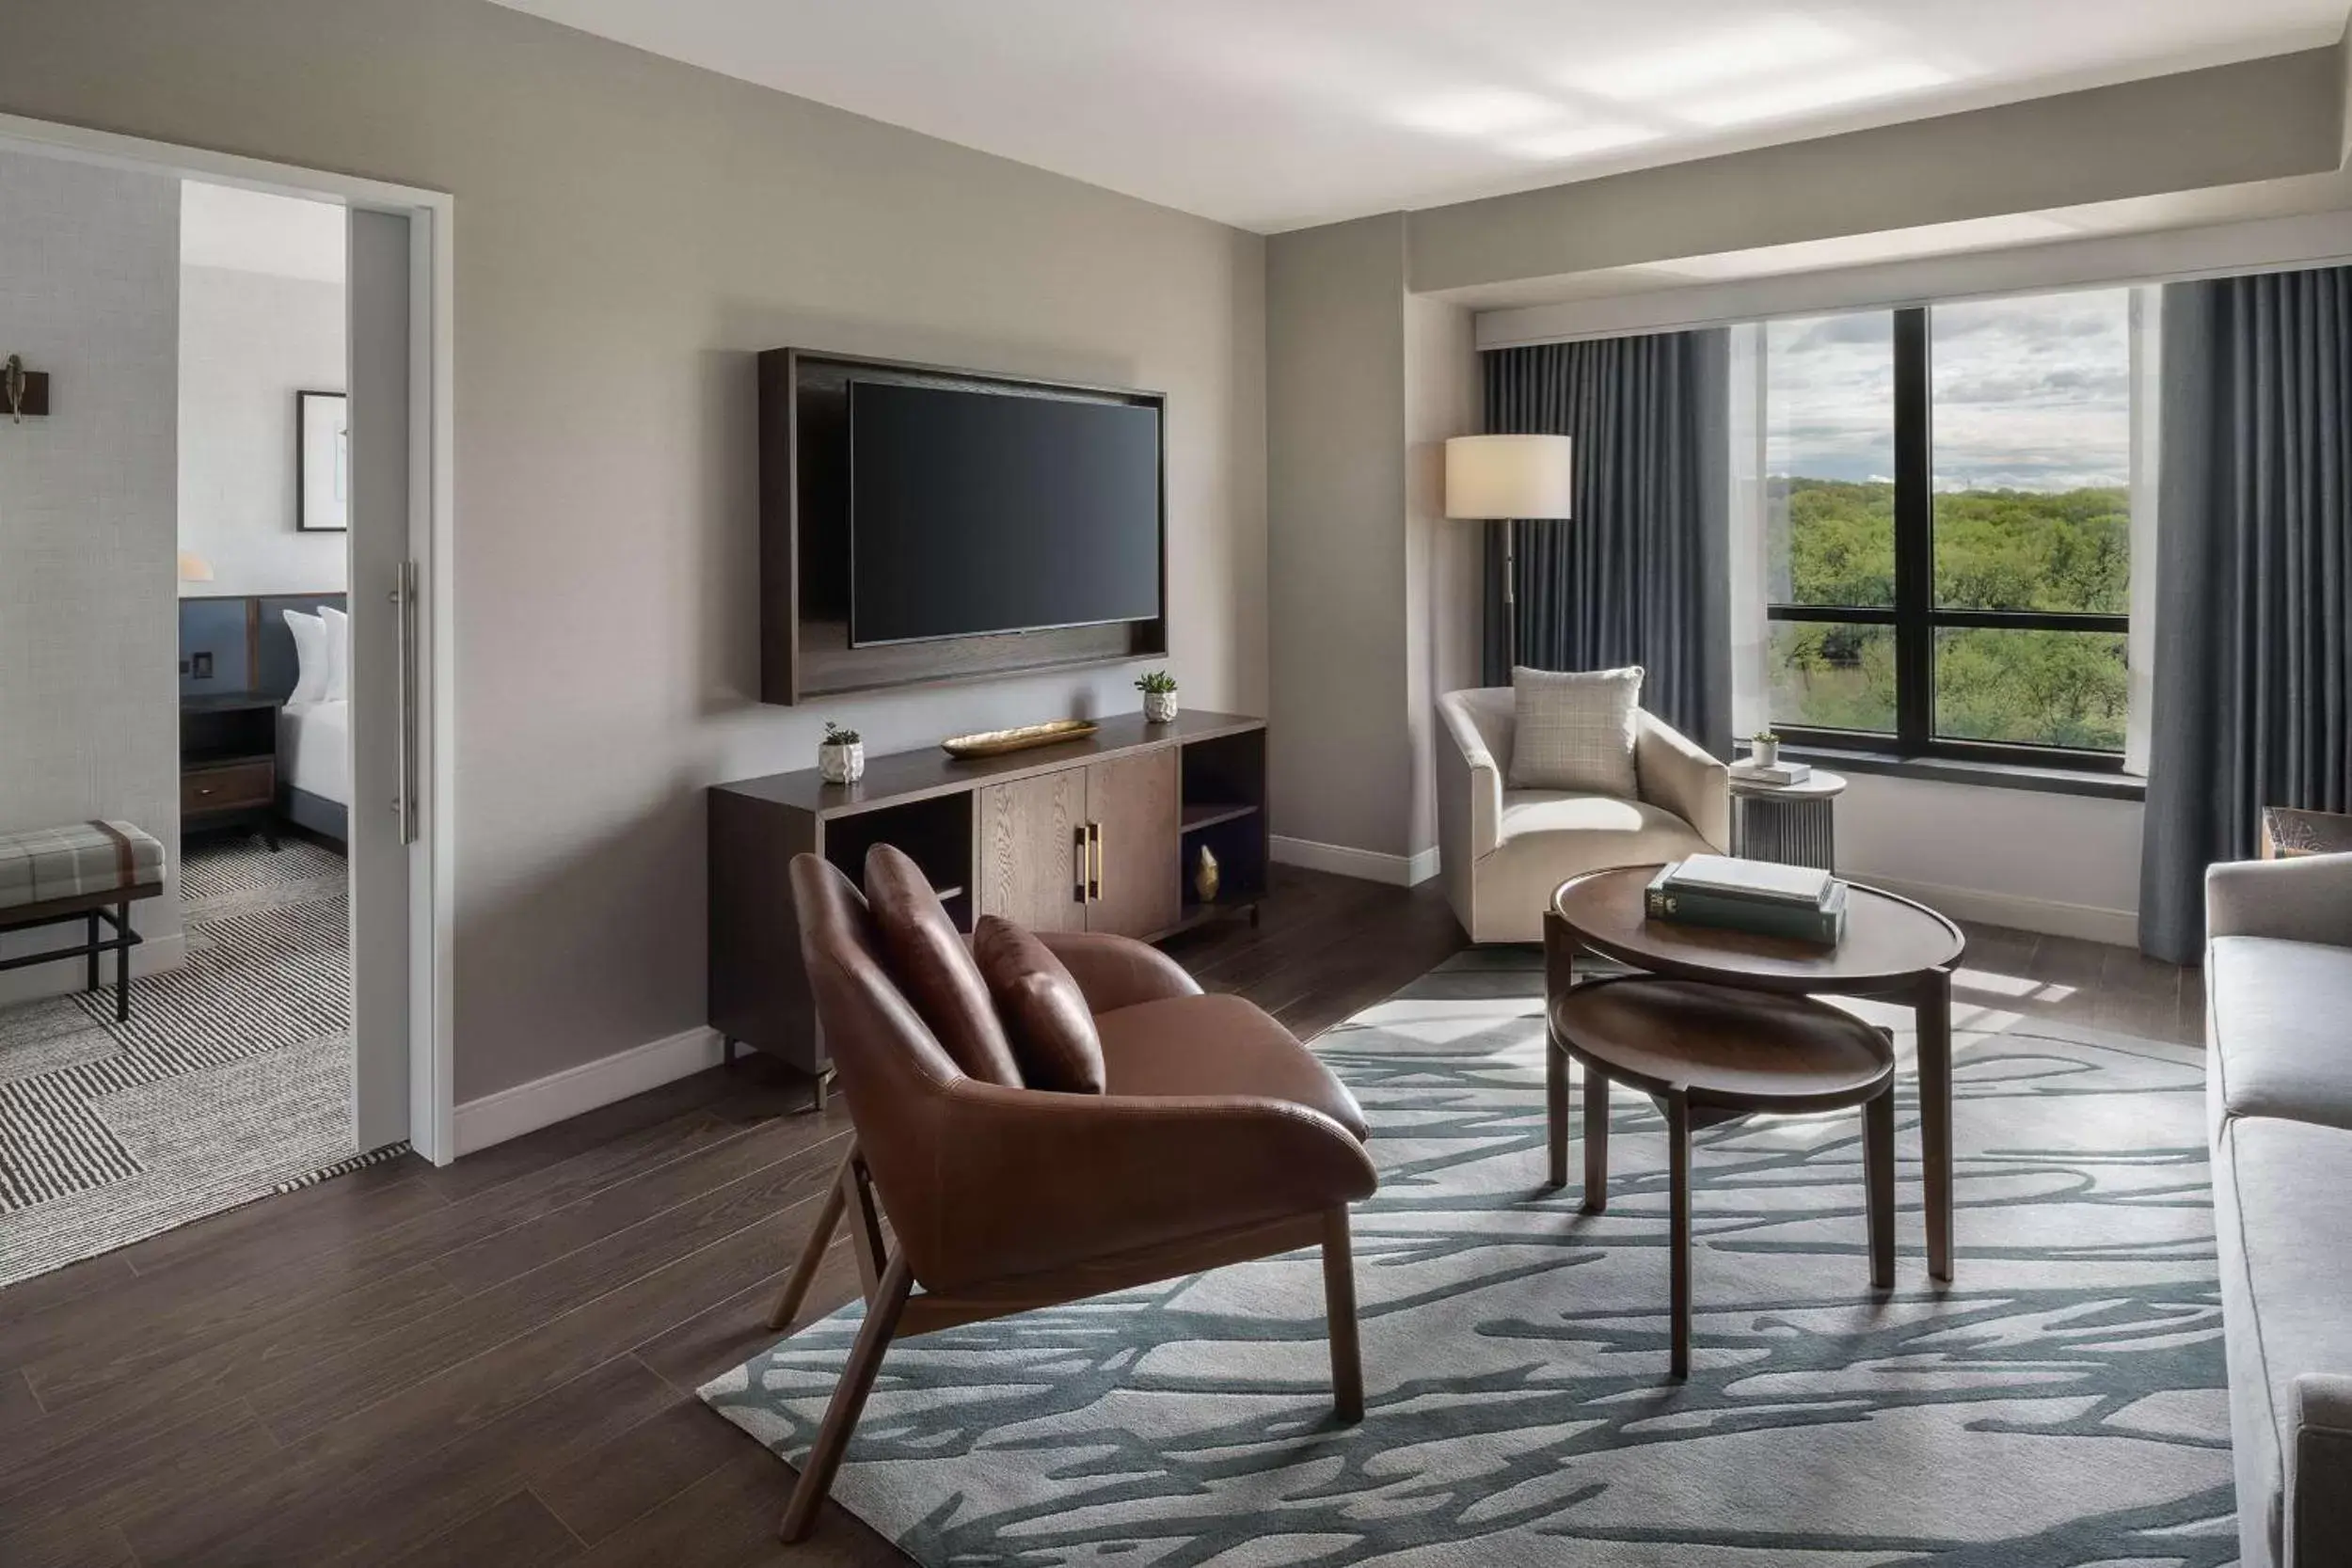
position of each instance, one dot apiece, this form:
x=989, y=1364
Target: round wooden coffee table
x=1895, y=951
x=1708, y=1053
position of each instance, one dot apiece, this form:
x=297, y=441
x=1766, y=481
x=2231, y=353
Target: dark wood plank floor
x=494, y=1363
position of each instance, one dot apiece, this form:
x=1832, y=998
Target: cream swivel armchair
x=1502, y=850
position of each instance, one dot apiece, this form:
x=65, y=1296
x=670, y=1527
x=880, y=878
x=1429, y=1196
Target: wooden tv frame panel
x=804, y=648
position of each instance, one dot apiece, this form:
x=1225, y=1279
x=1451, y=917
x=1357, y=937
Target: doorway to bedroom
x=205, y=331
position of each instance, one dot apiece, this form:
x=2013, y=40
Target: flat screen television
x=974, y=512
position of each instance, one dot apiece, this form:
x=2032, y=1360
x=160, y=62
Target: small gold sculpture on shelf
x=1204, y=877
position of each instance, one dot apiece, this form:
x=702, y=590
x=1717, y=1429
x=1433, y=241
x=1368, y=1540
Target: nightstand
x=228, y=763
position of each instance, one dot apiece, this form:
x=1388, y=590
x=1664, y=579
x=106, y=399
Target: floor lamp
x=1505, y=477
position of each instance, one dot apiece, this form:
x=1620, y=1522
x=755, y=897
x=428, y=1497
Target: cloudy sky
x=2030, y=394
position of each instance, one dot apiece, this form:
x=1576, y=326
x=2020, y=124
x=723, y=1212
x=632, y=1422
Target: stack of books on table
x=1780, y=774
x=1770, y=900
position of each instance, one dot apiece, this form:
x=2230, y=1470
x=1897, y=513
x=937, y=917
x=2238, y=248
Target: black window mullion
x=1915, y=535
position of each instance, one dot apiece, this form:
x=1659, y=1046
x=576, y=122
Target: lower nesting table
x=1708, y=1055
x=1895, y=951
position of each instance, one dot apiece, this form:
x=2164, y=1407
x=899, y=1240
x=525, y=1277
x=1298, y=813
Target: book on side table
x=1796, y=901
x=1780, y=774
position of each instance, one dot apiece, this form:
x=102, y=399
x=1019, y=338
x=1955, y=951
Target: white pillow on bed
x=311, y=657
x=337, y=653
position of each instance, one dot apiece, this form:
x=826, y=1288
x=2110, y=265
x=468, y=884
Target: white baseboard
x=2090, y=922
x=155, y=956
x=1370, y=865
x=561, y=1096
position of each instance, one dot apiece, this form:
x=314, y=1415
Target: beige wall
x=1336, y=543
x=89, y=711
x=628, y=230
x=2261, y=120
x=1444, y=582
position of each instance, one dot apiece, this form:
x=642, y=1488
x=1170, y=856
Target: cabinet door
x=1032, y=871
x=1133, y=805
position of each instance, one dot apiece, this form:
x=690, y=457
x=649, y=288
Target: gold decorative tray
x=995, y=743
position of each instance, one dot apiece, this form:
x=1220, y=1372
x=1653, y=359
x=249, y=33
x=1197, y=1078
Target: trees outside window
x=1948, y=527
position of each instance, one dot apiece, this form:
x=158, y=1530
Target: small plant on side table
x=1764, y=748
x=1159, y=695
x=841, y=756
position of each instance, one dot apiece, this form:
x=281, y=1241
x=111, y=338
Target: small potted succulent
x=841, y=756
x=1159, y=696
x=1764, y=748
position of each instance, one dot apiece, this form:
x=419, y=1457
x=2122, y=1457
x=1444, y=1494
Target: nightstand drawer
x=236, y=786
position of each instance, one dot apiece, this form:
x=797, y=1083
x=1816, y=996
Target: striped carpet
x=230, y=1080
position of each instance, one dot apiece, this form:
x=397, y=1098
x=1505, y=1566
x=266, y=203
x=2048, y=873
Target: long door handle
x=404, y=597
x=1094, y=876
x=1078, y=841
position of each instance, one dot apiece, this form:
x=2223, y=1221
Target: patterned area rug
x=2060, y=1405
x=230, y=1080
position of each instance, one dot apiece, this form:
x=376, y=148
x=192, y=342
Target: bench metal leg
x=93, y=952
x=123, y=966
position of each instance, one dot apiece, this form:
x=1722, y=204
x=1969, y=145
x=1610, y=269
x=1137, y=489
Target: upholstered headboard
x=249, y=646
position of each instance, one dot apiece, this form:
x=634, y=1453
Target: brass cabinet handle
x=1095, y=878
x=1078, y=853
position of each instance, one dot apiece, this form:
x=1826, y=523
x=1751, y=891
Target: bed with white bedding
x=314, y=763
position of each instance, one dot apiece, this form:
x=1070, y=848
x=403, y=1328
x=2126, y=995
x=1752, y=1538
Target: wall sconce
x=23, y=392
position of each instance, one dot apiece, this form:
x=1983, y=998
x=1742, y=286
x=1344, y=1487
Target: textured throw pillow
x=933, y=969
x=1041, y=1007
x=1574, y=731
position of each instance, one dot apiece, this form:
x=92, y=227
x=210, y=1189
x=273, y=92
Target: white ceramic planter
x=842, y=765
x=1159, y=708
x=1764, y=754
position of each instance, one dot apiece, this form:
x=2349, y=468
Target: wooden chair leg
x=848, y=1399
x=1877, y=1180
x=813, y=1250
x=866, y=1234
x=1596, y=1140
x=1339, y=1305
x=1678, y=1241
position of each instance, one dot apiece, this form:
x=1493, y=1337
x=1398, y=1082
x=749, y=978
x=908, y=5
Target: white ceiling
x=1276, y=114
x=225, y=226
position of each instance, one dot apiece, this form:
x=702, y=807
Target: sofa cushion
x=1044, y=1011
x=1575, y=730
x=2281, y=1028
x=2283, y=1203
x=933, y=969
x=1218, y=1045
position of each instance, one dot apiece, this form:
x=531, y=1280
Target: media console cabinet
x=1096, y=834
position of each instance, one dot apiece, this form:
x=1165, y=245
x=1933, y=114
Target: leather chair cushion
x=934, y=970
x=1044, y=1011
x=1217, y=1045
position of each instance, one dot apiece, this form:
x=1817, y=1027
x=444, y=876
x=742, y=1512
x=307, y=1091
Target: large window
x=1947, y=531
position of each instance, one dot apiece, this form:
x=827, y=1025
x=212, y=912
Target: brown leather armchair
x=1219, y=1138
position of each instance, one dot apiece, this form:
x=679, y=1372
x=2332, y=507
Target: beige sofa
x=1502, y=850
x=2278, y=1086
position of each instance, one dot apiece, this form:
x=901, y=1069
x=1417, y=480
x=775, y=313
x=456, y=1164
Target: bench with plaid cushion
x=92, y=869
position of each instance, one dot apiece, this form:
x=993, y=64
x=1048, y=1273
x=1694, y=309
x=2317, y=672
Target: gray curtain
x=1640, y=574
x=2253, y=673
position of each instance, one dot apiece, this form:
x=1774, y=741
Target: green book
x=1824, y=925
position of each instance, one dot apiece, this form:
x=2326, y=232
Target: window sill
x=1990, y=775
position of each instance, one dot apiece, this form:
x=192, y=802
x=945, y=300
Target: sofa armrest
x=1677, y=773
x=1118, y=971
x=2319, y=1498
x=1469, y=789
x=2308, y=900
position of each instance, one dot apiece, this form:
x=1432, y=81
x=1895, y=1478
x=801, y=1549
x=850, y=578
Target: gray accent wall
x=89, y=714
x=629, y=231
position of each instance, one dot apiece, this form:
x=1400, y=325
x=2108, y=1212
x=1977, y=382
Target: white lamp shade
x=194, y=567
x=1507, y=476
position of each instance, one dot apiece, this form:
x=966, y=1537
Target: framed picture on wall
x=321, y=463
